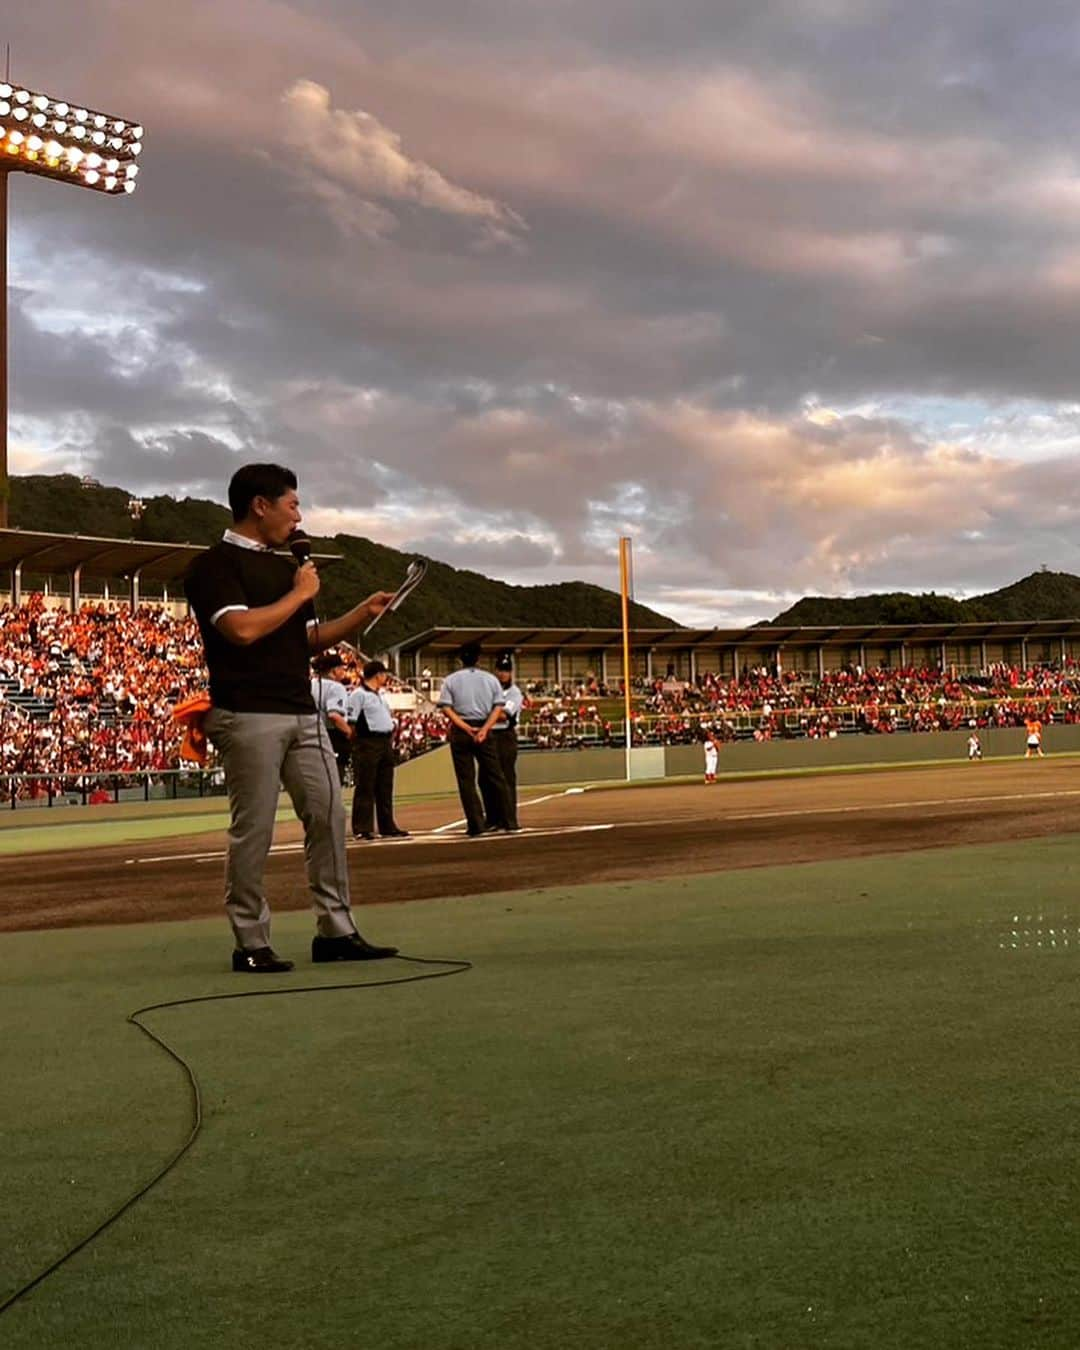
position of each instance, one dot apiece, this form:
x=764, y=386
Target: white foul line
x=900, y=806
x=860, y=808
x=439, y=834
x=533, y=801
x=533, y=832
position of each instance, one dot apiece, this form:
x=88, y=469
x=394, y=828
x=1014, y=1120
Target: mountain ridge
x=1040, y=595
x=449, y=597
x=459, y=597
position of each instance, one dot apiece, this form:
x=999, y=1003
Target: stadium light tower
x=50, y=137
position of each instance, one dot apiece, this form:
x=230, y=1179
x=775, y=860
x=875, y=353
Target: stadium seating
x=91, y=693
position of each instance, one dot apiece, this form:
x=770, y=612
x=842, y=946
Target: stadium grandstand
x=66, y=568
x=559, y=655
x=770, y=683
x=97, y=646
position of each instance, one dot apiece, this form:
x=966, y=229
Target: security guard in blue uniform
x=473, y=701
x=504, y=735
x=372, y=757
x=331, y=699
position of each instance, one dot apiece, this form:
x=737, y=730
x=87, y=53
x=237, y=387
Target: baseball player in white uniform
x=712, y=757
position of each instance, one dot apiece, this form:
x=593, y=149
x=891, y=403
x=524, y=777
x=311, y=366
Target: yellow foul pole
x=624, y=585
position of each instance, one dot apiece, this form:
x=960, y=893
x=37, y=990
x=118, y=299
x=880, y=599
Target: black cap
x=504, y=661
x=470, y=653
x=327, y=661
x=373, y=668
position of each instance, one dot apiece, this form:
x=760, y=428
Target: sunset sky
x=788, y=290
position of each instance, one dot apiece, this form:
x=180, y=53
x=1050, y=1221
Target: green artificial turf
x=816, y=1106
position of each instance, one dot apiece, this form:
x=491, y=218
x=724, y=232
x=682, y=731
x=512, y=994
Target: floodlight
x=39, y=117
x=54, y=139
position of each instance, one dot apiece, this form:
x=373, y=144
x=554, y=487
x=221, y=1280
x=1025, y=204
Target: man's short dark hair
x=470, y=653
x=373, y=668
x=326, y=662
x=258, y=480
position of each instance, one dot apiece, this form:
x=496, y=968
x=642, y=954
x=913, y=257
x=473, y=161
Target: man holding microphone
x=257, y=618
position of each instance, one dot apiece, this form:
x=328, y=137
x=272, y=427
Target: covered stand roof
x=659, y=639
x=60, y=554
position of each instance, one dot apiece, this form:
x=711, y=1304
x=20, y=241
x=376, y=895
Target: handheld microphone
x=300, y=546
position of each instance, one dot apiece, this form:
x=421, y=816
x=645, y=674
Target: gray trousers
x=260, y=753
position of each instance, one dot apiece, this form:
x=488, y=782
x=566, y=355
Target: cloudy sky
x=788, y=290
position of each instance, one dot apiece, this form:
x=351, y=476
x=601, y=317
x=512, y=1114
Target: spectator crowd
x=91, y=693
x=766, y=704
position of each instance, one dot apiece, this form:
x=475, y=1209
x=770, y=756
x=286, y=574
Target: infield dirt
x=633, y=834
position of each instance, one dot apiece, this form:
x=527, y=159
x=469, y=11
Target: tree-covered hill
x=449, y=596
x=452, y=596
x=1042, y=595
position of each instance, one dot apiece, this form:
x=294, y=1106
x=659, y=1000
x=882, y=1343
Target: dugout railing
x=20, y=791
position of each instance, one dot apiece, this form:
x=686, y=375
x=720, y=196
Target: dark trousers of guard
x=500, y=813
x=468, y=756
x=342, y=748
x=373, y=784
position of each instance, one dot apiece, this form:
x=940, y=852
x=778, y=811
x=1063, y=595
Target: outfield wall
x=899, y=748
x=434, y=773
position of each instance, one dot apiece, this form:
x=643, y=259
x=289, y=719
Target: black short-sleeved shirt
x=267, y=676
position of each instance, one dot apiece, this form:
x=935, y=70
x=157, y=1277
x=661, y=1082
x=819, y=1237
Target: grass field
x=819, y=1106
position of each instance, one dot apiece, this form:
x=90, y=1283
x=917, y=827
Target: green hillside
x=449, y=596
x=1042, y=595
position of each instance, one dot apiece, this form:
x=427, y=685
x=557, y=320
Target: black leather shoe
x=260, y=961
x=349, y=948
x=395, y=834
x=368, y=837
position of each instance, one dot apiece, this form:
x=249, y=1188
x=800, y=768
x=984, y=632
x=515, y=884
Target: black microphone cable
x=449, y=967
x=300, y=546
